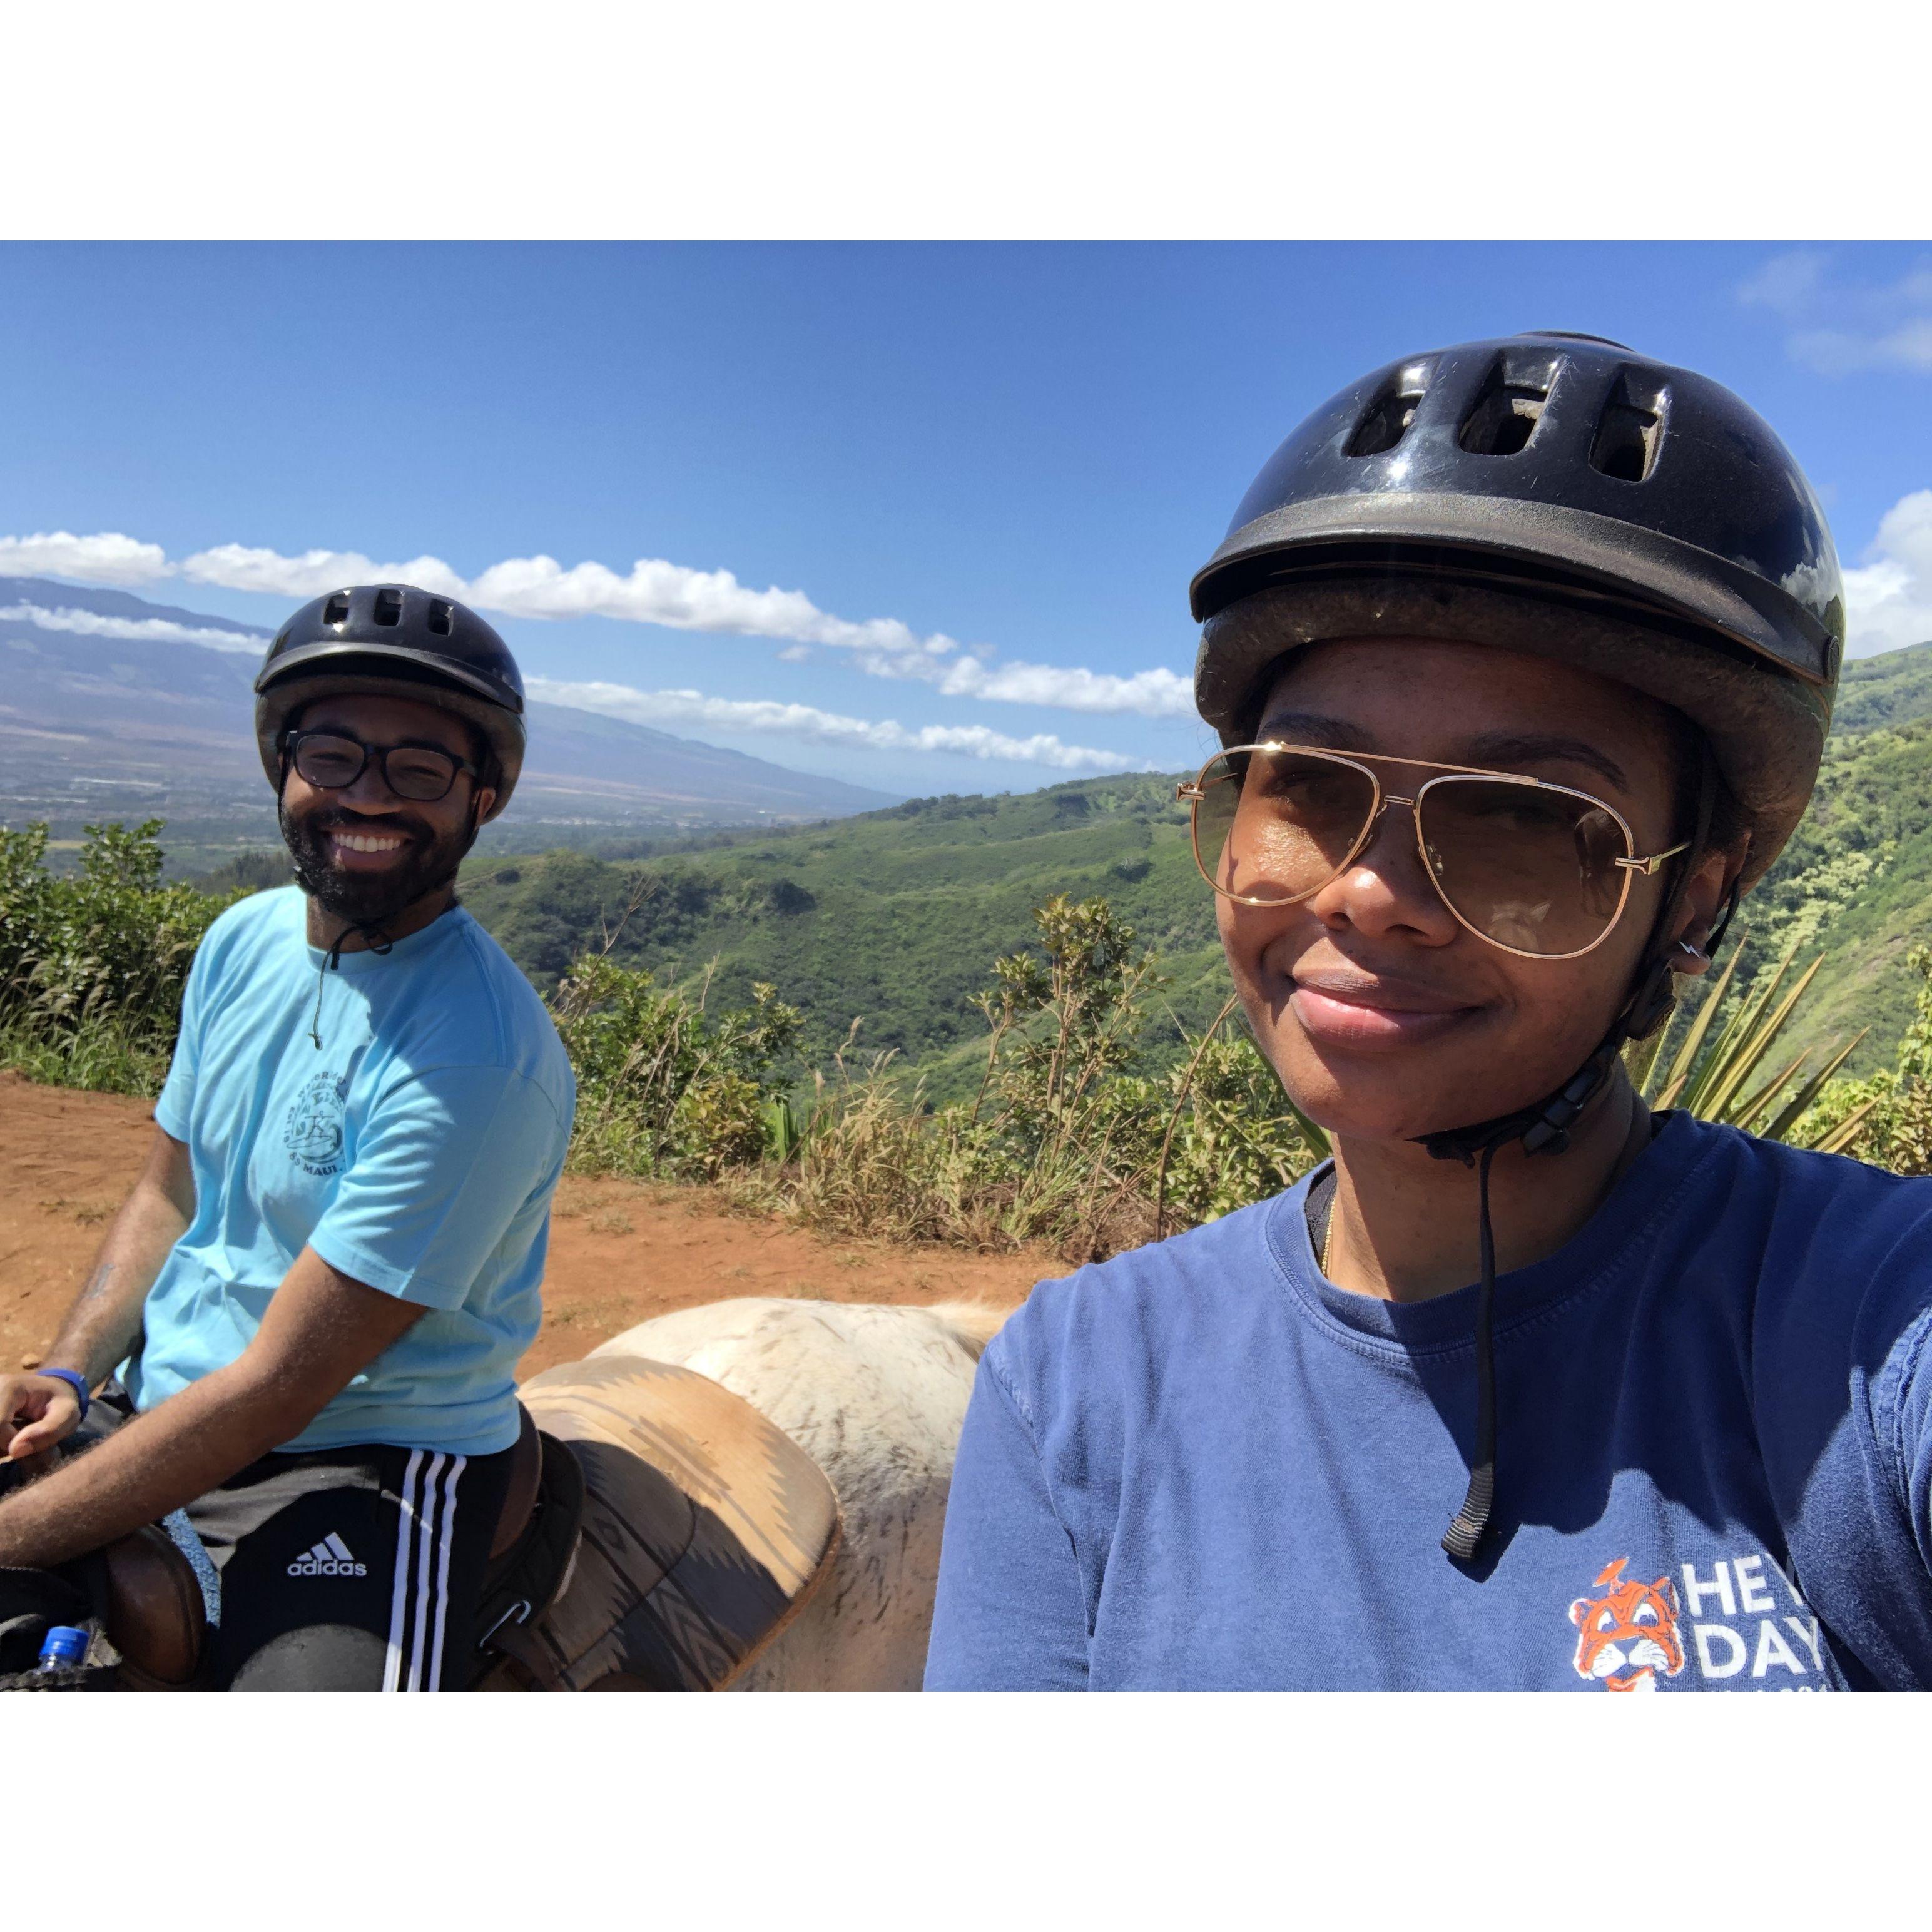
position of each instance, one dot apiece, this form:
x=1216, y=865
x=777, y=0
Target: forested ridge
x=890, y=919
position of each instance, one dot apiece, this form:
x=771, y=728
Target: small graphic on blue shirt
x=1746, y=1620
x=313, y=1131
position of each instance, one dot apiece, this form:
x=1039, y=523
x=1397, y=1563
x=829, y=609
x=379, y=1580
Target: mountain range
x=113, y=707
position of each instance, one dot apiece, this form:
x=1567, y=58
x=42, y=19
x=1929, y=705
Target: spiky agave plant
x=1723, y=1078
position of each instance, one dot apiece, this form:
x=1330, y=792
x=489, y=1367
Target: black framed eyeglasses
x=332, y=761
x=1540, y=870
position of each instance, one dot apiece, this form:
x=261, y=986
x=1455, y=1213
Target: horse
x=876, y=1396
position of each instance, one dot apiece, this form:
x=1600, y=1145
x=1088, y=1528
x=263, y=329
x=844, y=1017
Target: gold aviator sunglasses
x=1540, y=870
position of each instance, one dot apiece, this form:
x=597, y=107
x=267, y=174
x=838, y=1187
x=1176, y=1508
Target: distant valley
x=145, y=712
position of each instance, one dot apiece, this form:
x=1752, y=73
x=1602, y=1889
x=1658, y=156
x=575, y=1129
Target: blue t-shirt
x=416, y=1151
x=1201, y=1465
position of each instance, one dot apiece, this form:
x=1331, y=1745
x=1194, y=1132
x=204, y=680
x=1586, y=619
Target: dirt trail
x=619, y=1253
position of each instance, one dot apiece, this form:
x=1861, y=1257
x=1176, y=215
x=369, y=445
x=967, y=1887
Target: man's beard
x=368, y=899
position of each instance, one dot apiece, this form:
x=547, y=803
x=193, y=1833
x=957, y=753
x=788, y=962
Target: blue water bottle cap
x=63, y=1645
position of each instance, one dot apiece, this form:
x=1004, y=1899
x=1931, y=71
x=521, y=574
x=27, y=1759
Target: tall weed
x=1736, y=1073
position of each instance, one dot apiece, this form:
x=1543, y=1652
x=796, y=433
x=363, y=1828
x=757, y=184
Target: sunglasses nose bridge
x=1404, y=848
x=1372, y=832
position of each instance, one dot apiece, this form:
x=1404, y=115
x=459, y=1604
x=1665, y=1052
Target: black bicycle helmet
x=375, y=636
x=1466, y=492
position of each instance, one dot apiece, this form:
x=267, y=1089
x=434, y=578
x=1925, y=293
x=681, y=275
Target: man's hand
x=321, y=1327
x=36, y=1412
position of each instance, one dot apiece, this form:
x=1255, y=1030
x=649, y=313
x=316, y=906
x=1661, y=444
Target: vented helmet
x=1565, y=497
x=392, y=639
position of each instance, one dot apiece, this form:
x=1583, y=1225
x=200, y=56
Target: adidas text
x=329, y=1557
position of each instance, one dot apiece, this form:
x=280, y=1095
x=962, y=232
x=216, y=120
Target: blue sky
x=1026, y=451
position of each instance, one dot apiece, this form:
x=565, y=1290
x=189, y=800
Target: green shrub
x=1237, y=1136
x=664, y=1090
x=1070, y=1138
x=1886, y=1119
x=92, y=965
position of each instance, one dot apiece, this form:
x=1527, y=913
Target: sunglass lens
x=1533, y=869
x=328, y=763
x=1275, y=825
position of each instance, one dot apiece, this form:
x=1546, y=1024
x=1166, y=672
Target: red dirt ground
x=619, y=1253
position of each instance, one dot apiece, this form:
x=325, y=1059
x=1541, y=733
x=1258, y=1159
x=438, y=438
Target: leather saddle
x=705, y=1531
x=657, y=1533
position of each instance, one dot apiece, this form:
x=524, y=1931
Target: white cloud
x=658, y=592
x=654, y=592
x=105, y=559
x=1889, y=598
x=1787, y=282
x=660, y=709
x=1842, y=352
x=1838, y=328
x=236, y=567
x=141, y=630
x=1160, y=693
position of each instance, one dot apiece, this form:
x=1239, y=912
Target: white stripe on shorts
x=425, y=1555
x=445, y=1540
x=392, y=1669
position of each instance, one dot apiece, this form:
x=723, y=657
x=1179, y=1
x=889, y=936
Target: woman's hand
x=36, y=1412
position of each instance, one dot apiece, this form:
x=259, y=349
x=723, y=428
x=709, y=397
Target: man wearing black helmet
x=318, y=1291
x=1522, y=654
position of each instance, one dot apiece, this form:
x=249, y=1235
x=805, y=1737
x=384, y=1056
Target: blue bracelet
x=74, y=1381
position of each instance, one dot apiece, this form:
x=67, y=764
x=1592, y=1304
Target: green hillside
x=894, y=918
x=1855, y=882
x=1891, y=689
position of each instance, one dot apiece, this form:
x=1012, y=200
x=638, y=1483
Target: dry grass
x=88, y=1214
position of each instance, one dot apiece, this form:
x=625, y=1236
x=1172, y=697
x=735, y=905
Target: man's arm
x=106, y=1317
x=320, y=1329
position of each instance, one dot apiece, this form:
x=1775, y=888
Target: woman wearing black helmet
x=1522, y=655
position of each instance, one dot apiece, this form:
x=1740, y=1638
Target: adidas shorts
x=352, y=1569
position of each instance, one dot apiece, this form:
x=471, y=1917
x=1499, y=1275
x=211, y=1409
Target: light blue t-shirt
x=416, y=1151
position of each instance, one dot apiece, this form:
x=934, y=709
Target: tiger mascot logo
x=1629, y=1633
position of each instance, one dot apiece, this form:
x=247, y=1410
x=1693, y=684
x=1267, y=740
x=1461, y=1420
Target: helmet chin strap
x=1544, y=1127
